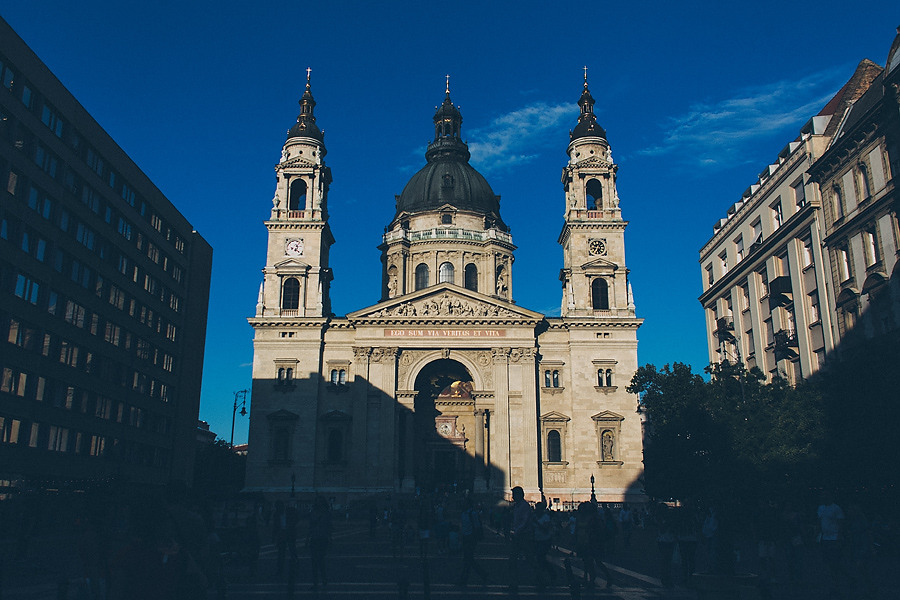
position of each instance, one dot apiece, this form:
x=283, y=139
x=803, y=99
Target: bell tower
x=594, y=277
x=297, y=275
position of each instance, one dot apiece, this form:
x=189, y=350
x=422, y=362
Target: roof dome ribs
x=448, y=178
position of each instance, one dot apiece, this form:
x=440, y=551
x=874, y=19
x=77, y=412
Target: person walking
x=543, y=535
x=318, y=539
x=279, y=535
x=471, y=532
x=831, y=520
x=520, y=536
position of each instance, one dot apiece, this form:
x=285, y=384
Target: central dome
x=448, y=178
x=453, y=182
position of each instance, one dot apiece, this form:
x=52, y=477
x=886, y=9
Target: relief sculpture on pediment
x=444, y=306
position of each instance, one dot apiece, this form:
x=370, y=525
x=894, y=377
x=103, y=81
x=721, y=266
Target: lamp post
x=242, y=396
x=593, y=495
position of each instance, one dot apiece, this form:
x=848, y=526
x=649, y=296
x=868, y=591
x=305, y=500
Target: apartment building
x=765, y=273
x=104, y=288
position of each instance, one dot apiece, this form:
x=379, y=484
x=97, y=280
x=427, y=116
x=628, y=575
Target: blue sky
x=696, y=97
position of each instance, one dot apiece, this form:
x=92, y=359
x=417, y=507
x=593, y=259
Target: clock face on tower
x=293, y=247
x=597, y=247
x=445, y=429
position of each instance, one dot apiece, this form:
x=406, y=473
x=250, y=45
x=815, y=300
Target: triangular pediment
x=599, y=264
x=297, y=162
x=607, y=416
x=282, y=415
x=593, y=161
x=554, y=416
x=291, y=265
x=335, y=416
x=445, y=302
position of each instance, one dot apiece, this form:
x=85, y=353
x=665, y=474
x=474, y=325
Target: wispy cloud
x=513, y=138
x=716, y=134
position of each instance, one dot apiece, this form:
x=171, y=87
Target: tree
x=218, y=471
x=732, y=433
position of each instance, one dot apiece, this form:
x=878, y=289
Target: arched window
x=838, y=203
x=445, y=273
x=290, y=294
x=281, y=374
x=421, y=276
x=342, y=377
x=555, y=378
x=471, y=277
x=289, y=375
x=600, y=294
x=335, y=446
x=594, y=191
x=297, y=199
x=862, y=176
x=600, y=380
x=554, y=446
x=546, y=378
x=334, y=377
x=609, y=378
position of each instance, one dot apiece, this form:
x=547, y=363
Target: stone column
x=406, y=402
x=379, y=417
x=530, y=423
x=480, y=481
x=359, y=391
x=500, y=419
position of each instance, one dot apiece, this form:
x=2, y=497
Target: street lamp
x=242, y=396
x=593, y=495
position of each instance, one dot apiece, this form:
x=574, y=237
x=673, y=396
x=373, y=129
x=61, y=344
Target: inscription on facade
x=446, y=333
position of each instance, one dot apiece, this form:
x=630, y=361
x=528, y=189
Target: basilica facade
x=446, y=382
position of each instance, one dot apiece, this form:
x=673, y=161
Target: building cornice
x=800, y=219
x=784, y=170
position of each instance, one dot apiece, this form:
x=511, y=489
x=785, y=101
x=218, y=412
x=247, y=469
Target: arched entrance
x=443, y=412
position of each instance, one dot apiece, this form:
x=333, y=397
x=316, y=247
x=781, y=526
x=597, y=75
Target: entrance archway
x=443, y=410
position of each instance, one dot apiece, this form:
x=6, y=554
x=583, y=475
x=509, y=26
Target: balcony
x=785, y=344
x=724, y=328
x=780, y=292
x=442, y=233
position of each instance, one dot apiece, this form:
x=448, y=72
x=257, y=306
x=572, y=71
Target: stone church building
x=446, y=383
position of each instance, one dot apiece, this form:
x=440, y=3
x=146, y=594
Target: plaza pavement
x=362, y=567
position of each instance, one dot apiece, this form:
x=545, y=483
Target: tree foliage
x=737, y=433
x=733, y=432
x=218, y=471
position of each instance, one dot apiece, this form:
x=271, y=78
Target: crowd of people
x=165, y=547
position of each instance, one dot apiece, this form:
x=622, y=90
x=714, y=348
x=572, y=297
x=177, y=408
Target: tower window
x=446, y=219
x=554, y=446
x=594, y=191
x=445, y=274
x=297, y=198
x=290, y=294
x=421, y=276
x=600, y=294
x=472, y=277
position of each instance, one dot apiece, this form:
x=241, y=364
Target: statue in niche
x=501, y=282
x=607, y=445
x=276, y=201
x=392, y=285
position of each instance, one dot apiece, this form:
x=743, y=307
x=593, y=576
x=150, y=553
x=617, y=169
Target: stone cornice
x=293, y=322
x=588, y=322
x=294, y=225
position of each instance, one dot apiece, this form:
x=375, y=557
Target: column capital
x=377, y=355
x=361, y=352
x=500, y=355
